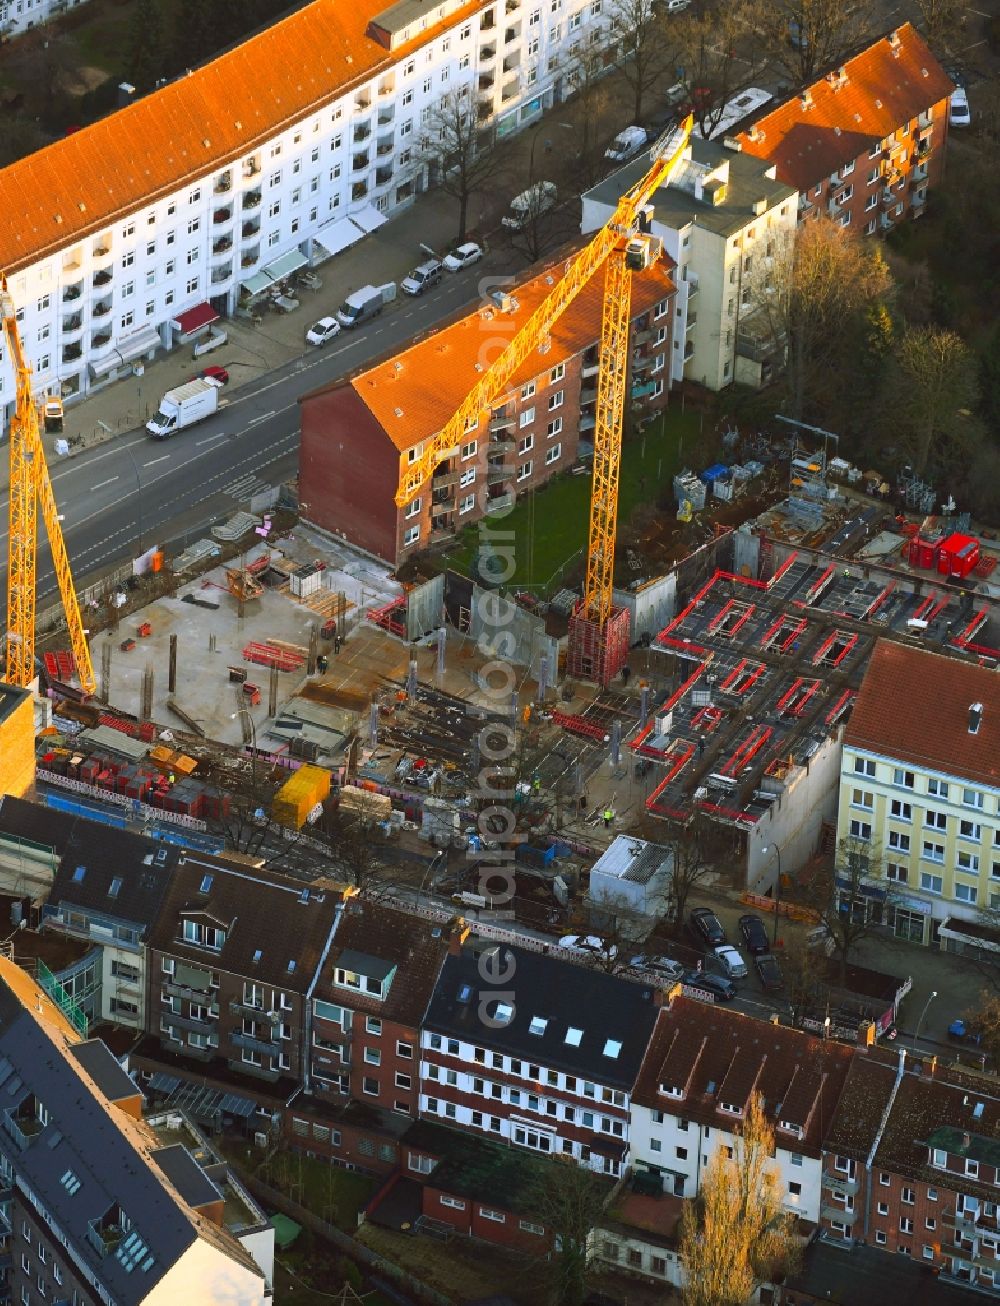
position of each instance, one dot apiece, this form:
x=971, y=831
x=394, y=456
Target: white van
x=537, y=199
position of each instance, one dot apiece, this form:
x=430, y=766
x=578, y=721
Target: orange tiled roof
x=914, y=706
x=191, y=127
x=884, y=90
x=414, y=394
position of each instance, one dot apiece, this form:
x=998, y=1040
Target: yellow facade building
x=17, y=741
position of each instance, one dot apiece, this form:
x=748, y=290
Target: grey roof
x=10, y=698
x=363, y=963
x=865, y=1274
x=631, y=859
x=103, y=1068
x=83, y=1138
x=186, y=1175
x=676, y=206
x=604, y=1009
x=113, y=872
x=36, y=822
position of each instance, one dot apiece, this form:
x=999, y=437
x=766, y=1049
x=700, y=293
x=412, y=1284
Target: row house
x=925, y=1182
x=923, y=790
x=95, y=1207
x=232, y=963
x=126, y=237
x=864, y=143
x=536, y=1052
x=368, y=1005
x=703, y=1066
x=360, y=436
x=102, y=886
x=721, y=215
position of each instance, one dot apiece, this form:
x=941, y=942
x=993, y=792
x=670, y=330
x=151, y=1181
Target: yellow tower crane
x=607, y=248
x=30, y=485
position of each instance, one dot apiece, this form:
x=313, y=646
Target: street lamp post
x=777, y=889
x=922, y=1015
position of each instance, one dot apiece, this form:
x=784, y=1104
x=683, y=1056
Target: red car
x=217, y=374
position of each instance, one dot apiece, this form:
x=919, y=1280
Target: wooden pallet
x=327, y=603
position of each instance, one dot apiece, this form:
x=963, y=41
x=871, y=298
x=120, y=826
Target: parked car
x=323, y=331
x=959, y=114
x=754, y=935
x=769, y=973
x=960, y=1031
x=462, y=257
x=733, y=965
x=217, y=375
x=422, y=278
x=721, y=989
x=662, y=967
x=626, y=144
x=706, y=927
x=588, y=945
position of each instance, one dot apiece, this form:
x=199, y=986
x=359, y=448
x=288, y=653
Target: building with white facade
x=124, y=237
x=632, y=875
x=536, y=1051
x=920, y=786
x=18, y=16
x=721, y=216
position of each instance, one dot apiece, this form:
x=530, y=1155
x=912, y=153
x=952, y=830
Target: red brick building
x=358, y=435
x=864, y=143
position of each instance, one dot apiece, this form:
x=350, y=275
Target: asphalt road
x=135, y=490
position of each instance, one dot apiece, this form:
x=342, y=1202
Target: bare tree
x=645, y=47
x=807, y=37
x=850, y=897
x=931, y=393
x=543, y=224
x=587, y=79
x=459, y=156
x=812, y=287
x=736, y=1235
x=693, y=848
x=804, y=972
x=356, y=840
x=716, y=54
x=568, y=1199
x=943, y=22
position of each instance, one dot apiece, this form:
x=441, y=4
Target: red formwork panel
x=594, y=653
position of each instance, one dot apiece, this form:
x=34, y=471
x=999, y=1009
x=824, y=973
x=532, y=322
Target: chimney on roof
x=966, y=1140
x=975, y=717
x=894, y=43
x=805, y=98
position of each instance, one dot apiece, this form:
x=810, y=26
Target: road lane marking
x=212, y=438
x=101, y=484
x=153, y=461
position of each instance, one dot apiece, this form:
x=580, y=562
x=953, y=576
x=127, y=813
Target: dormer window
x=789, y=1128
x=204, y=936
x=672, y=1090
x=939, y=1158
x=731, y=1108
x=364, y=974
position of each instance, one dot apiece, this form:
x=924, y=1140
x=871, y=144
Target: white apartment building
x=920, y=784
x=703, y=1066
x=18, y=16
x=721, y=216
x=131, y=234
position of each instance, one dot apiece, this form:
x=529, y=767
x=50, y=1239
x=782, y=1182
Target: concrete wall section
x=650, y=607
x=746, y=554
x=795, y=819
x=348, y=472
x=425, y=608
x=517, y=636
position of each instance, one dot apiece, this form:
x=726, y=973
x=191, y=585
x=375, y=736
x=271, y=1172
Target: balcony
x=71, y=325
x=512, y=6
x=102, y=309
x=250, y=257
x=266, y=1047
x=184, y=991
x=190, y=1023
x=510, y=89
x=384, y=147
x=360, y=161
x=362, y=132
x=692, y=321
x=387, y=87
x=23, y=1130
x=251, y=167
x=443, y=498
x=693, y=285
x=805, y=203
x=249, y=230
x=487, y=54
x=386, y=115
x=103, y=277
x=837, y=1183
x=589, y=370
x=104, y=1236
x=970, y=1224
x=512, y=62
x=688, y=352
x=383, y=175
x=919, y=174
x=502, y=422
x=489, y=22
x=101, y=251
x=251, y=200
x=512, y=34
x=484, y=109
x=70, y=293
x=223, y=184
x=72, y=352
x=642, y=337
x=442, y=480
x=363, y=102
x=101, y=340
x=221, y=216
x=72, y=263
x=250, y=1009
x=918, y=199
x=497, y=473
x=833, y=208
x=499, y=502
x=258, y=1072
x=222, y=246
x=221, y=274
x=588, y=395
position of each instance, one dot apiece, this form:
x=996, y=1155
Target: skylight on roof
x=465, y=994
x=504, y=1013
x=538, y=1024
x=70, y=1182
x=206, y=884
x=573, y=1036
x=257, y=956
x=78, y=874
x=612, y=1047
x=291, y=967
x=115, y=888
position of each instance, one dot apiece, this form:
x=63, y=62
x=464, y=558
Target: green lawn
x=330, y=1192
x=550, y=525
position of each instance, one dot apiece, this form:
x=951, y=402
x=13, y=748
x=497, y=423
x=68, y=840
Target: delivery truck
x=184, y=407
x=365, y=303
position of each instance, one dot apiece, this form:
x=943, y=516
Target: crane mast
x=31, y=485
x=605, y=250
